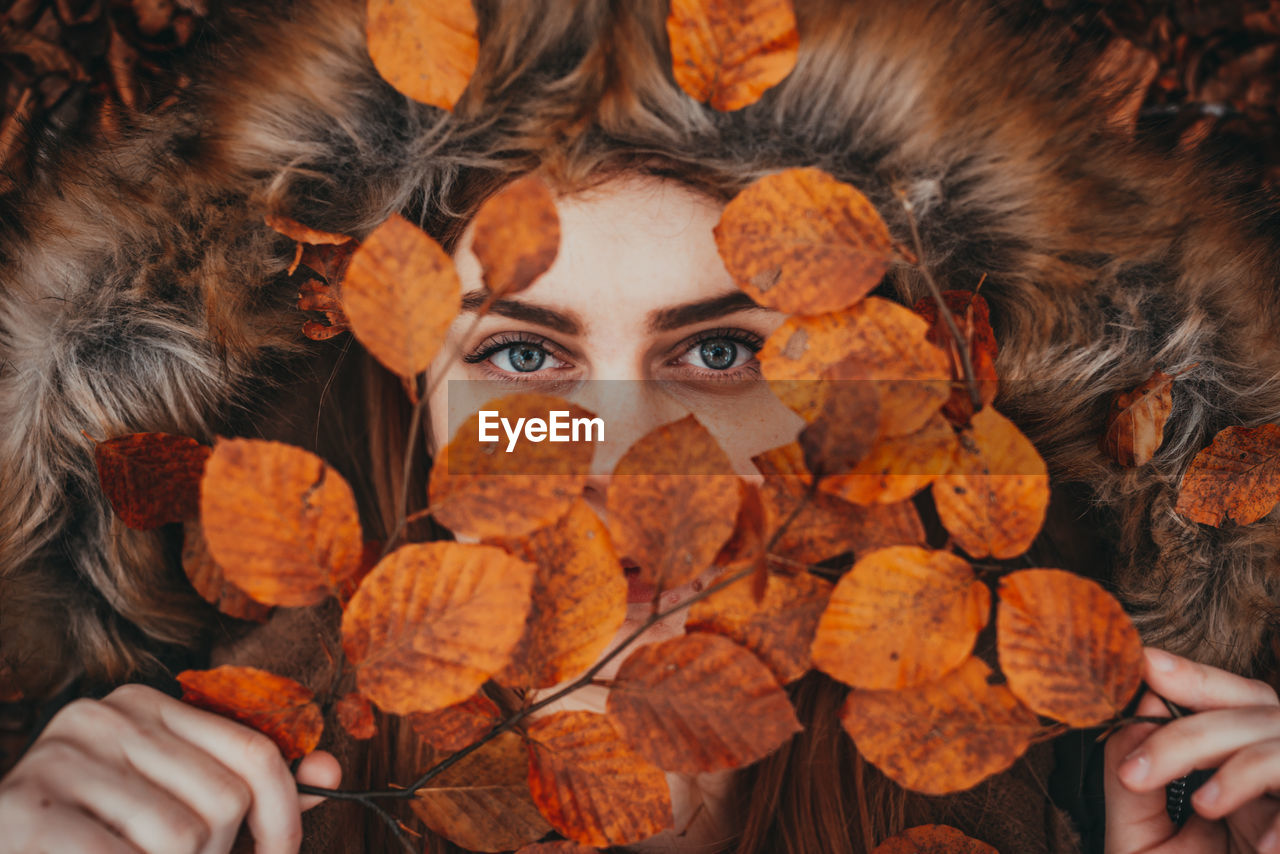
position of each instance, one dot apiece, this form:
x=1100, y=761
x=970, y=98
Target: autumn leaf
x=944, y=736
x=426, y=49
x=901, y=617
x=672, y=503
x=875, y=340
x=745, y=548
x=994, y=499
x=516, y=235
x=355, y=713
x=315, y=295
x=401, y=293
x=281, y=524
x=729, y=52
x=483, y=803
x=1066, y=646
x=932, y=839
x=329, y=261
x=591, y=785
x=211, y=582
x=973, y=317
x=151, y=479
x=273, y=705
x=699, y=703
x=1135, y=424
x=579, y=600
x=561, y=847
x=844, y=431
x=1237, y=477
x=295, y=230
x=460, y=725
x=433, y=621
x=898, y=467
x=802, y=242
x=779, y=628
x=481, y=490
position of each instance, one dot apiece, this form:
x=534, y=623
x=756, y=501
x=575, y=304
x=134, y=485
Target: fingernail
x=1207, y=794
x=1161, y=661
x=1135, y=767
x=1268, y=843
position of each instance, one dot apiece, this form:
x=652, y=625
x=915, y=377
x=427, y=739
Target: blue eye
x=521, y=358
x=719, y=354
x=721, y=350
x=510, y=353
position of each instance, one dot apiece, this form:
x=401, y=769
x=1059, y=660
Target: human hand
x=139, y=772
x=1235, y=729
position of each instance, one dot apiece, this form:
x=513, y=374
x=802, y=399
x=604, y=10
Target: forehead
x=627, y=246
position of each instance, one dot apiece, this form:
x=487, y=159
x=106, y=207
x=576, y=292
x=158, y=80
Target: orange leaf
x=482, y=490
x=973, y=316
x=516, y=236
x=932, y=839
x=483, y=803
x=401, y=293
x=315, y=295
x=826, y=526
x=295, y=230
x=426, y=49
x=579, y=600
x=455, y=727
x=845, y=429
x=874, y=340
x=994, y=500
x=944, y=736
x=1066, y=646
x=273, y=705
x=672, y=503
x=898, y=466
x=1237, y=477
x=729, y=52
x=779, y=628
x=280, y=523
x=151, y=479
x=746, y=545
x=901, y=617
x=355, y=713
x=802, y=242
x=432, y=622
x=591, y=785
x=211, y=583
x=699, y=703
x=328, y=261
x=1135, y=424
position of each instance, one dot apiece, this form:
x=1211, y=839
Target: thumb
x=1136, y=821
x=319, y=768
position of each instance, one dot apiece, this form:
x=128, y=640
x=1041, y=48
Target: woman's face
x=637, y=320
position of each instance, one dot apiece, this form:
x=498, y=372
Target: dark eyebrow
x=668, y=319
x=566, y=323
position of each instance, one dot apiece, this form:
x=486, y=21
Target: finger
x=1199, y=686
x=1202, y=740
x=273, y=816
x=1136, y=821
x=34, y=820
x=317, y=769
x=1268, y=841
x=153, y=820
x=1248, y=774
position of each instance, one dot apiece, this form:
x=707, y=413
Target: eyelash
x=743, y=337
x=502, y=341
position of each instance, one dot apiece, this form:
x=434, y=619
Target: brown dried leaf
x=400, y=293
x=898, y=466
x=281, y=524
x=729, y=52
x=994, y=500
x=673, y=502
x=355, y=713
x=295, y=230
x=1066, y=646
x=481, y=490
x=455, y=727
x=516, y=236
x=973, y=317
x=273, y=705
x=1237, y=477
x=778, y=628
x=1135, y=424
x=433, y=622
x=944, y=736
x=901, y=617
x=591, y=785
x=483, y=803
x=211, y=583
x=932, y=839
x=579, y=600
x=315, y=295
x=427, y=49
x=151, y=479
x=844, y=431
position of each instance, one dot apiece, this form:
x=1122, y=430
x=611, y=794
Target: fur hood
x=140, y=290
